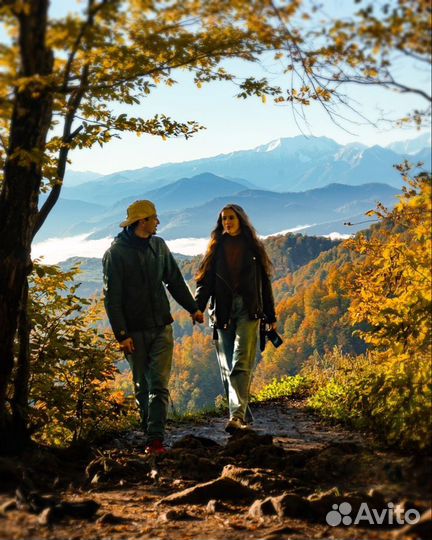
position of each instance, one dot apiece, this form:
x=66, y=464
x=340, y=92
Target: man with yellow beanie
x=137, y=268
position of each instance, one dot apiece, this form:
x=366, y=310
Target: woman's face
x=230, y=222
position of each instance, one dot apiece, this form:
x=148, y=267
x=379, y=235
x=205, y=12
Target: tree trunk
x=30, y=122
x=20, y=397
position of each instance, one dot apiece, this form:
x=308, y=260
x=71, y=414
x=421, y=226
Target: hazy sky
x=233, y=124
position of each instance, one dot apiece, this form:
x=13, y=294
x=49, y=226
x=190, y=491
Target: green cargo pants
x=151, y=368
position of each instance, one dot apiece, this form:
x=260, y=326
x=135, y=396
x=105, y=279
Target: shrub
x=73, y=396
x=287, y=386
x=389, y=397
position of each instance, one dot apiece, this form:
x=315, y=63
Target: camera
x=268, y=335
x=274, y=337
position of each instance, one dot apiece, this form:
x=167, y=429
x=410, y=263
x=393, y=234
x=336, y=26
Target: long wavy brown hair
x=248, y=231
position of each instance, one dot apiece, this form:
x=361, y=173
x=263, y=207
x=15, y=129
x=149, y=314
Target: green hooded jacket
x=135, y=279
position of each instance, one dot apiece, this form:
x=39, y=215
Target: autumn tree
x=60, y=78
x=71, y=392
x=393, y=283
x=389, y=389
x=312, y=312
x=195, y=381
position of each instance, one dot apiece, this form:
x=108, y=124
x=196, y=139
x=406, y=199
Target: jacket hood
x=127, y=238
x=122, y=239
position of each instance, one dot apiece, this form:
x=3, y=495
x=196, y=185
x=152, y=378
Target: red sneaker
x=155, y=447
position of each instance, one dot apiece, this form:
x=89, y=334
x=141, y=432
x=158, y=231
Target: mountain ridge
x=286, y=164
x=273, y=211
x=254, y=178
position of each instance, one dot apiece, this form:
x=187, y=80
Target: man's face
x=149, y=225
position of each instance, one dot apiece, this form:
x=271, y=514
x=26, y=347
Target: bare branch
x=415, y=56
x=92, y=10
x=73, y=105
x=390, y=84
x=292, y=42
x=169, y=65
x=55, y=191
x=349, y=224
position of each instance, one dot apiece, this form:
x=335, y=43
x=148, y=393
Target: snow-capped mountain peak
x=269, y=147
x=412, y=146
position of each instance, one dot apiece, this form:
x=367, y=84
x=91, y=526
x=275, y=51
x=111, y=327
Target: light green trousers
x=236, y=350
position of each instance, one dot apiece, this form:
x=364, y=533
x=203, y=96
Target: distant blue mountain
x=183, y=193
x=272, y=212
x=76, y=178
x=289, y=164
x=65, y=215
x=291, y=172
x=188, y=192
x=412, y=146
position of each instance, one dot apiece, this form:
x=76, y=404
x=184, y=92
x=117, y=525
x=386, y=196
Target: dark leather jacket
x=255, y=289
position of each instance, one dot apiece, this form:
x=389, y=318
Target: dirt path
x=278, y=482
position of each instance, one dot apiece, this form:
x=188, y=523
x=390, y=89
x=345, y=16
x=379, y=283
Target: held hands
x=272, y=326
x=197, y=317
x=127, y=346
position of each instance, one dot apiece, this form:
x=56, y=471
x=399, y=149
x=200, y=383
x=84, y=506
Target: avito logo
x=341, y=514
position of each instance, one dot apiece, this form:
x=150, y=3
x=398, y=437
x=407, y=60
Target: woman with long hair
x=235, y=276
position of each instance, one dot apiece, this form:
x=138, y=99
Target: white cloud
x=285, y=231
x=55, y=250
x=188, y=246
x=338, y=236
